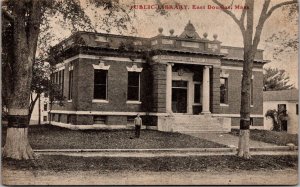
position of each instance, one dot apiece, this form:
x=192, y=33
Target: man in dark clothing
x=138, y=123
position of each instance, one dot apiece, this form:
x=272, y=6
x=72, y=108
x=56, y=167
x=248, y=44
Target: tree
x=276, y=79
x=251, y=39
x=24, y=20
x=42, y=84
x=286, y=40
x=277, y=118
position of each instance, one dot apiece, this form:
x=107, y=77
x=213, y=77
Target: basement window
x=130, y=120
x=99, y=119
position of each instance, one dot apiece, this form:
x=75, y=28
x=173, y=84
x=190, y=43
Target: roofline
x=234, y=47
x=239, y=59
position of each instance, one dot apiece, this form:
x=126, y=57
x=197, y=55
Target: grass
x=189, y=163
x=278, y=138
x=52, y=137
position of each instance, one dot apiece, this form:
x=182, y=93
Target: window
x=99, y=119
x=70, y=84
x=59, y=118
x=223, y=90
x=197, y=93
x=62, y=82
x=45, y=106
x=133, y=93
x=281, y=107
x=100, y=84
x=297, y=110
x=44, y=118
x=58, y=78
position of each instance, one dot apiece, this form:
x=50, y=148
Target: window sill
x=222, y=104
x=70, y=101
x=100, y=101
x=133, y=102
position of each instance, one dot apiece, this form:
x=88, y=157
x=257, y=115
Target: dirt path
x=278, y=177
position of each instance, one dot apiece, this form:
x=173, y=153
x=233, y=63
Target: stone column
x=169, y=88
x=205, y=91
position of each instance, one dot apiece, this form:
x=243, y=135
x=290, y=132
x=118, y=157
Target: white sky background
x=217, y=22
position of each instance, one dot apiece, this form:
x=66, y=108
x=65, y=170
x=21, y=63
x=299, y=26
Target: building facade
x=282, y=100
x=176, y=83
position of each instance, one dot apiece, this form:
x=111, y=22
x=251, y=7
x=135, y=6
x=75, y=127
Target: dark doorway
x=179, y=96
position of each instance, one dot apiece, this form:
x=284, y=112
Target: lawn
x=189, y=163
x=52, y=137
x=278, y=138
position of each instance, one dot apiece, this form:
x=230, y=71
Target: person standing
x=138, y=124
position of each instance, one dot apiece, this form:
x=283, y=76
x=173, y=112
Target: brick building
x=176, y=83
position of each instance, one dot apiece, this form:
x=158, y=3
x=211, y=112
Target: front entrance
x=179, y=96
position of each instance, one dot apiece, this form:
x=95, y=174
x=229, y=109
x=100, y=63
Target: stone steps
x=197, y=124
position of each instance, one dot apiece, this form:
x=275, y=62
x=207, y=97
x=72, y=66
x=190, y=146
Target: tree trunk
x=249, y=53
x=25, y=38
x=17, y=145
x=31, y=106
x=39, y=108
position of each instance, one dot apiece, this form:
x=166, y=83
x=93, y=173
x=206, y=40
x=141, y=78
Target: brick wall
x=159, y=87
x=116, y=120
x=215, y=90
x=234, y=93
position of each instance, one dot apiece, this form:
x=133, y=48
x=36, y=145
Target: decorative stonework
x=190, y=44
x=225, y=51
x=224, y=74
x=134, y=68
x=213, y=47
x=154, y=42
x=190, y=32
x=166, y=41
x=101, y=66
x=137, y=43
x=163, y=59
x=101, y=39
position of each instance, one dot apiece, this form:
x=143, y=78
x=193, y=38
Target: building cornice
x=164, y=59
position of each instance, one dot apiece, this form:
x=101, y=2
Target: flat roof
x=281, y=95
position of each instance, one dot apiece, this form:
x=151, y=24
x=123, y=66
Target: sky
x=212, y=21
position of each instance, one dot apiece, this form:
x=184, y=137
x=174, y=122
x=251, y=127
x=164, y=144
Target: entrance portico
x=180, y=89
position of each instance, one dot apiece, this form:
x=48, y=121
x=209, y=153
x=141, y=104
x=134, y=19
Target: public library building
x=176, y=83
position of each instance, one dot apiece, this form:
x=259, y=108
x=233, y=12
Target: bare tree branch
x=263, y=17
x=232, y=15
x=7, y=15
x=280, y=5
x=243, y=15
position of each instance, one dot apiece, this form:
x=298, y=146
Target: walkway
x=147, y=154
x=228, y=139
x=281, y=177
